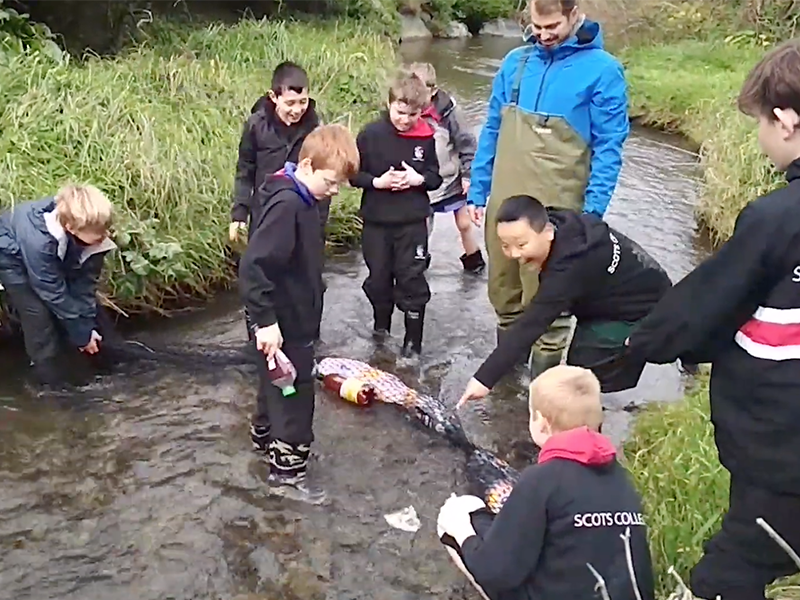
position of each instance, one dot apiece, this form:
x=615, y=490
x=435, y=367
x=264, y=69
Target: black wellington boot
x=289, y=473
x=412, y=343
x=259, y=435
x=383, y=322
x=473, y=263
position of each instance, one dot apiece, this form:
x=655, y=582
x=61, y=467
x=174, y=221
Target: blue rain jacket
x=578, y=81
x=35, y=248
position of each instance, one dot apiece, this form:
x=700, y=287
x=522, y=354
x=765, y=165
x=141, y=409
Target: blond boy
x=280, y=278
x=565, y=512
x=51, y=257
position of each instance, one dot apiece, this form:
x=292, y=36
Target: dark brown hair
x=410, y=89
x=774, y=82
x=548, y=7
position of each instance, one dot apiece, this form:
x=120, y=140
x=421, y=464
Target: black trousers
x=39, y=328
x=289, y=419
x=740, y=560
x=397, y=258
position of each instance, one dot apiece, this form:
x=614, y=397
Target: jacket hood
x=574, y=235
x=287, y=178
x=589, y=36
x=581, y=445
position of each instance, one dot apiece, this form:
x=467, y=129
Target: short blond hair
x=84, y=208
x=408, y=88
x=332, y=147
x=568, y=397
x=425, y=71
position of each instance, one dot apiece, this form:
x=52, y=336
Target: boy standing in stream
x=280, y=278
x=740, y=311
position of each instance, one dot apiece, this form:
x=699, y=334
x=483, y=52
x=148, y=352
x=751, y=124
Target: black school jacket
x=595, y=273
x=740, y=311
x=381, y=146
x=266, y=144
x=564, y=512
x=280, y=273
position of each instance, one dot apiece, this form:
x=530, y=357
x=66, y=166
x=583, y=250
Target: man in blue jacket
x=556, y=124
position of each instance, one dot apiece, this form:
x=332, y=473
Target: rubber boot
x=259, y=435
x=382, y=322
x=289, y=473
x=412, y=343
x=473, y=263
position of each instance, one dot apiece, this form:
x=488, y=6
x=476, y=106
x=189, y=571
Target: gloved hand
x=454, y=517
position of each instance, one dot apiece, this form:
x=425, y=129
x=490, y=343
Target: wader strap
x=518, y=75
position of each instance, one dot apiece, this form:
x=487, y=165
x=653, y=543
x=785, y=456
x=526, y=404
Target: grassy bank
x=157, y=129
x=690, y=87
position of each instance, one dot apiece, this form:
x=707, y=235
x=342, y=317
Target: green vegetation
x=157, y=128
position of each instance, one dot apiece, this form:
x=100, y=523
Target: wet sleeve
x=363, y=178
x=46, y=278
x=430, y=169
x=463, y=140
x=245, y=179
x=483, y=163
x=268, y=251
x=564, y=283
x=509, y=552
x=610, y=126
x=84, y=288
x=710, y=297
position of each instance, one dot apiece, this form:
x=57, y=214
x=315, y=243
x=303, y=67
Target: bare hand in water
x=475, y=391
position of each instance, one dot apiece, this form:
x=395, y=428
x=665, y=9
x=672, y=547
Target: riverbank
x=157, y=128
x=689, y=87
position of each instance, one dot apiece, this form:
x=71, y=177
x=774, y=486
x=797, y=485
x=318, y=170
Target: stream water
x=149, y=490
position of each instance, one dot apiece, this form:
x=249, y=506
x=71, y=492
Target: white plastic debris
x=405, y=520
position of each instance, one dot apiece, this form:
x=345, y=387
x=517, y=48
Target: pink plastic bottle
x=282, y=373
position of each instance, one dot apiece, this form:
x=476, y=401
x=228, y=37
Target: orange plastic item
x=351, y=389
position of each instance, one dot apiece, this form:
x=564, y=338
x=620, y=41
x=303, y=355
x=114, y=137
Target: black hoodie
x=593, y=272
x=381, y=146
x=568, y=510
x=740, y=311
x=280, y=273
x=266, y=145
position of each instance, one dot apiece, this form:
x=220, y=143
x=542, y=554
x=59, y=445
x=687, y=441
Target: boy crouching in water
x=567, y=510
x=51, y=257
x=280, y=278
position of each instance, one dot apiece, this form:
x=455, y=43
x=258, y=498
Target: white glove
x=454, y=516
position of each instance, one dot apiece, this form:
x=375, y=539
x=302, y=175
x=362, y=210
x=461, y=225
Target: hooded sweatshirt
x=381, y=146
x=593, y=272
x=568, y=510
x=266, y=144
x=280, y=273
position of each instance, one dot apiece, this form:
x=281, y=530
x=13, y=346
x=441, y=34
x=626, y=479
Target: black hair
x=289, y=76
x=524, y=207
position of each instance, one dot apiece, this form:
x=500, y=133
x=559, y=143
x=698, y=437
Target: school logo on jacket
x=419, y=153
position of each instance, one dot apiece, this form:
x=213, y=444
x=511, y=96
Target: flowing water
x=149, y=490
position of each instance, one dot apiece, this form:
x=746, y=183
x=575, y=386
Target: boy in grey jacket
x=455, y=148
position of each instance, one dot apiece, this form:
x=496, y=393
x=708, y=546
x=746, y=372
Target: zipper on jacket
x=541, y=84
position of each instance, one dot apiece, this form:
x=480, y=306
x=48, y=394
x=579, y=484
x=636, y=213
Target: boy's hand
x=385, y=181
x=454, y=517
x=465, y=186
x=475, y=214
x=269, y=340
x=93, y=347
x=234, y=229
x=411, y=176
x=475, y=391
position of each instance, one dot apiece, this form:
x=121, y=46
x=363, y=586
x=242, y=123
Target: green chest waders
x=544, y=157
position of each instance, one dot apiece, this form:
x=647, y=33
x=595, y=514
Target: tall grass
x=157, y=129
x=674, y=463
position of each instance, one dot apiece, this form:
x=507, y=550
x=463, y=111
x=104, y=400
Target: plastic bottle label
x=350, y=388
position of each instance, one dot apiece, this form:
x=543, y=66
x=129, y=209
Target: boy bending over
x=567, y=510
x=740, y=311
x=280, y=278
x=51, y=257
